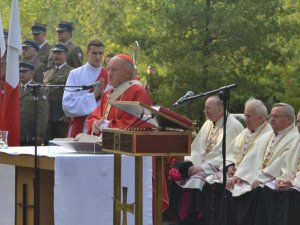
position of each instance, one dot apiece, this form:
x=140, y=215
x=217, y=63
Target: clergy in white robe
x=256, y=120
x=261, y=165
x=206, y=149
x=77, y=103
x=280, y=200
x=206, y=156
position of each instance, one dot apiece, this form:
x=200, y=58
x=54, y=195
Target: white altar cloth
x=83, y=187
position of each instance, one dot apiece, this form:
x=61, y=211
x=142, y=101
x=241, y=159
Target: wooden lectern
x=169, y=135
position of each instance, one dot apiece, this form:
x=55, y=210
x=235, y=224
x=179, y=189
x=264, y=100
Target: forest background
x=197, y=45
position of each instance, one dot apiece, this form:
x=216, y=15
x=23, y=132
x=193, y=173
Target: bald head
x=213, y=108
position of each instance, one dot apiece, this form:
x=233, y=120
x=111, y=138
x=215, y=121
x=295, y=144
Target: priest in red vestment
x=125, y=87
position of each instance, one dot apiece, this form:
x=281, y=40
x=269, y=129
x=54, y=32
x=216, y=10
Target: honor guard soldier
x=64, y=35
x=38, y=31
x=27, y=108
x=58, y=123
x=30, y=51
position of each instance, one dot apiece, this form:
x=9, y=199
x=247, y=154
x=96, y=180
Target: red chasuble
x=120, y=119
x=117, y=117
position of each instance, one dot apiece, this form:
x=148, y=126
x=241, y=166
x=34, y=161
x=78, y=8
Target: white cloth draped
x=7, y=194
x=84, y=187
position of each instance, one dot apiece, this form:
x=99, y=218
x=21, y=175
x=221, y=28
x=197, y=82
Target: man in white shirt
x=78, y=104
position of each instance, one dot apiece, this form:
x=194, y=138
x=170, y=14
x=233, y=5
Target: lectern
x=169, y=134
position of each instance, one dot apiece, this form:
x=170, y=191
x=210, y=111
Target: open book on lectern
x=158, y=116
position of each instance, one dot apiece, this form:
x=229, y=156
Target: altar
x=81, y=186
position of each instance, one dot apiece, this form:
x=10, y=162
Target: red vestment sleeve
x=117, y=117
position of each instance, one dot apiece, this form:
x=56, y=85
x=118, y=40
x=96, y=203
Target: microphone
x=181, y=100
x=87, y=87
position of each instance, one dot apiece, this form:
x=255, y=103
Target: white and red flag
x=2, y=51
x=10, y=106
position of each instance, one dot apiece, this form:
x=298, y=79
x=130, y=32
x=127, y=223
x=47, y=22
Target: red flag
x=10, y=107
x=2, y=51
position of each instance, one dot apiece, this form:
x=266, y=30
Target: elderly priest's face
x=119, y=71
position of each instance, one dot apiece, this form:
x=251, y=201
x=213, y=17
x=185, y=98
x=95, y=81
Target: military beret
x=64, y=26
x=37, y=28
x=30, y=43
x=5, y=33
x=24, y=66
x=60, y=48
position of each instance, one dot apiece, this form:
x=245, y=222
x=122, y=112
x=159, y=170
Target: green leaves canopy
x=197, y=45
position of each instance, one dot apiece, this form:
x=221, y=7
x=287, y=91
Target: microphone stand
x=35, y=91
x=224, y=95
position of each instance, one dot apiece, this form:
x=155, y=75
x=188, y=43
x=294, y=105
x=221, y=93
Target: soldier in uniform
x=27, y=108
x=38, y=31
x=58, y=123
x=64, y=35
x=29, y=53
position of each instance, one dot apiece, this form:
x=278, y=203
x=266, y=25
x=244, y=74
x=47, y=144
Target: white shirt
x=80, y=103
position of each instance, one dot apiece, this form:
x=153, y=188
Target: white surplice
x=238, y=149
x=80, y=103
x=208, y=153
x=252, y=167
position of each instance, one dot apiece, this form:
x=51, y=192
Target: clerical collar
x=120, y=86
x=284, y=131
x=259, y=127
x=42, y=45
x=219, y=123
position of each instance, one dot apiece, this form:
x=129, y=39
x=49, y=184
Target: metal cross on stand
x=24, y=204
x=124, y=207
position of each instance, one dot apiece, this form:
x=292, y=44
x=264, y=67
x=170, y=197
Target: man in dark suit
x=27, y=108
x=58, y=123
x=38, y=31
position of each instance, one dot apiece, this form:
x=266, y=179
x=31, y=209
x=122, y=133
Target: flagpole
x=0, y=85
x=2, y=52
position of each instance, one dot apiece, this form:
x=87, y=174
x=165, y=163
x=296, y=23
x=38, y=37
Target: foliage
x=198, y=45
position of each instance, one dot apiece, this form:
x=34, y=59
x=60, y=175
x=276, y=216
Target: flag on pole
x=2, y=51
x=10, y=108
x=2, y=41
